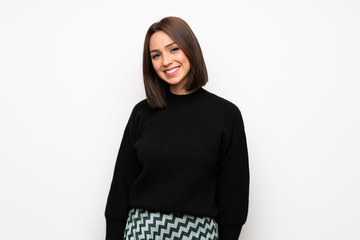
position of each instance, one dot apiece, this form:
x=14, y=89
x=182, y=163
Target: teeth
x=172, y=70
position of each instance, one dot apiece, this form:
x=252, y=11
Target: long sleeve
x=126, y=170
x=233, y=180
x=189, y=158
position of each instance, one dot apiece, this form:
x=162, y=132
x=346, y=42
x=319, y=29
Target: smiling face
x=169, y=61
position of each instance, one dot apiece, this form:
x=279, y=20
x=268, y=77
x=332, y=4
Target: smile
x=172, y=71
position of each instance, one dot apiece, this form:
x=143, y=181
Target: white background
x=70, y=73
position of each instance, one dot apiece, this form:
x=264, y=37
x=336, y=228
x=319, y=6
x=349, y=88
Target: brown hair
x=181, y=33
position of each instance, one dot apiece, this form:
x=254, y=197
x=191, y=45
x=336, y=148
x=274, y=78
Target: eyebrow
x=156, y=50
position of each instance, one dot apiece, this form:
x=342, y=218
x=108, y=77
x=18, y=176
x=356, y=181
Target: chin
x=172, y=81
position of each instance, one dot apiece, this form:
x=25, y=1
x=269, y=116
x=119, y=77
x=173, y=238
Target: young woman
x=182, y=164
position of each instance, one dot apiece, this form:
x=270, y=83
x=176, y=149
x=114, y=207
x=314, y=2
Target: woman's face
x=169, y=61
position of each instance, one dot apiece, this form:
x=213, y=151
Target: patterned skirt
x=145, y=225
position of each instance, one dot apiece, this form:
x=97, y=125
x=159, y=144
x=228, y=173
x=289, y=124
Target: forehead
x=159, y=40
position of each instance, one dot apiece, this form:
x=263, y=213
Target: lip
x=172, y=74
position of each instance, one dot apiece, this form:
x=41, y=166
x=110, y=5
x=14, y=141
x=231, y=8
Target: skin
x=167, y=55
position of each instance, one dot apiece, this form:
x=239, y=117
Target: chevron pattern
x=145, y=225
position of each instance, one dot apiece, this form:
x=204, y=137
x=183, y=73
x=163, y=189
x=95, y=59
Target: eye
x=174, y=49
x=155, y=56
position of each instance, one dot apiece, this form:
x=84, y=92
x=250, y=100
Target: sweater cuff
x=229, y=233
x=115, y=230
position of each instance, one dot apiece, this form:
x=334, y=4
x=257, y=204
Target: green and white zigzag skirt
x=143, y=224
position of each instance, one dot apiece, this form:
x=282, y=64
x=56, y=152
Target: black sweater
x=189, y=157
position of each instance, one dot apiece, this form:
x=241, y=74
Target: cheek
x=184, y=59
x=155, y=65
x=186, y=63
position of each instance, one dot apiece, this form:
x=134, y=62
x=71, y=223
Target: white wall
x=70, y=73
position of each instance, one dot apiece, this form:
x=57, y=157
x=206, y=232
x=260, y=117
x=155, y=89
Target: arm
x=126, y=170
x=233, y=181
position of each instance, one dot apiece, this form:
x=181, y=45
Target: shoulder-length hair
x=156, y=88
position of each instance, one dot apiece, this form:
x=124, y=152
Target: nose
x=167, y=60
